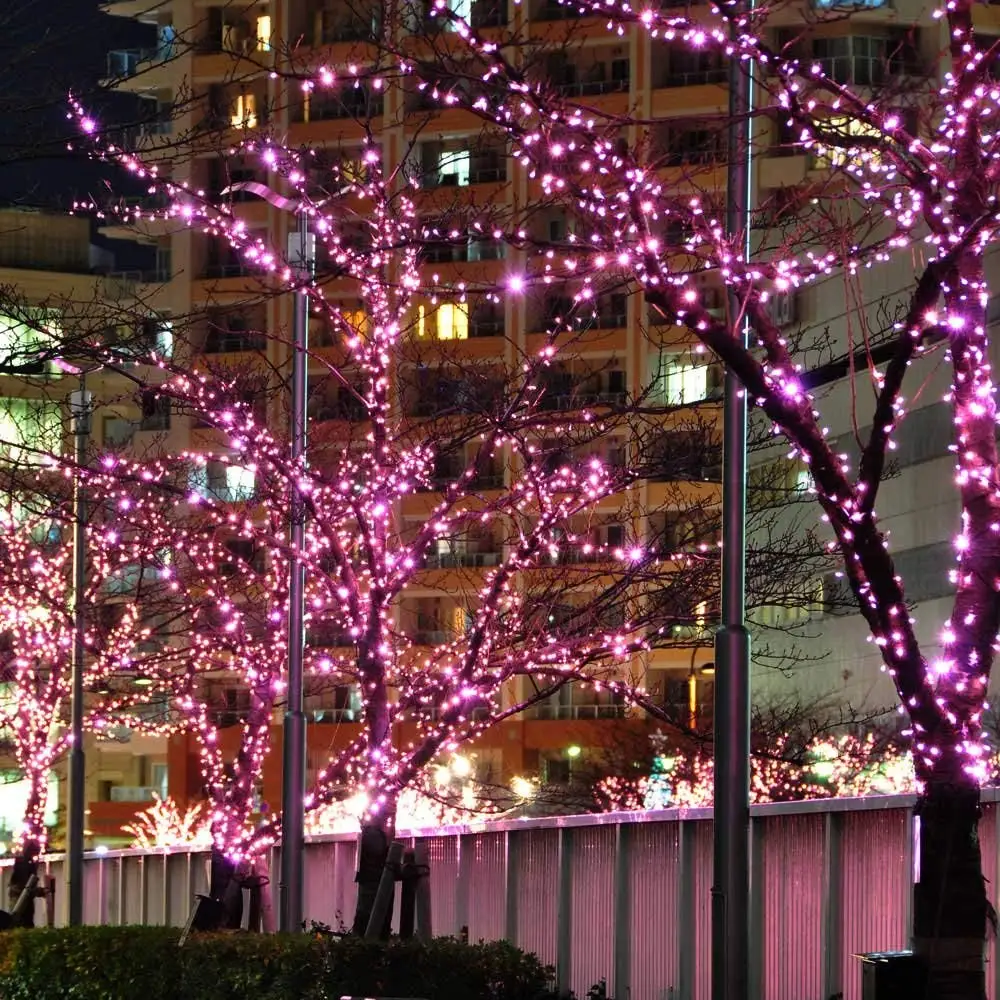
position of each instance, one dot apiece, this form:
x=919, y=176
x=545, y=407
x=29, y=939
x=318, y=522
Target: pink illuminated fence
x=623, y=897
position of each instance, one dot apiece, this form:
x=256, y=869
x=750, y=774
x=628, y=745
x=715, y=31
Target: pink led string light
x=454, y=694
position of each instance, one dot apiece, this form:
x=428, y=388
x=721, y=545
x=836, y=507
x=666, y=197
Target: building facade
x=208, y=84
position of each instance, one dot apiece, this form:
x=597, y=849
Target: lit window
x=356, y=319
x=453, y=321
x=239, y=482
x=838, y=156
x=164, y=339
x=678, y=381
x=264, y=33
x=462, y=9
x=30, y=429
x=454, y=166
x=244, y=111
x=23, y=346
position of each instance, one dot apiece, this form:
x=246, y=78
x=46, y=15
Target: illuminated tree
x=543, y=567
x=908, y=183
x=915, y=191
x=126, y=676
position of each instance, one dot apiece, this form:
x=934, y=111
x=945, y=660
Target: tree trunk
x=25, y=865
x=950, y=908
x=373, y=848
x=225, y=888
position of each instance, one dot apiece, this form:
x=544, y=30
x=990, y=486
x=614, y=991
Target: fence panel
x=442, y=854
x=703, y=910
x=538, y=892
x=654, y=889
x=875, y=885
x=487, y=886
x=794, y=860
x=133, y=876
x=592, y=909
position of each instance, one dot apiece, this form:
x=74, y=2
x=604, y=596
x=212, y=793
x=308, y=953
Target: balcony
x=233, y=342
x=472, y=250
x=350, y=27
x=492, y=327
x=462, y=560
x=333, y=715
x=429, y=637
x=575, y=712
x=328, y=636
x=552, y=11
x=435, y=178
x=489, y=13
x=138, y=69
x=354, y=103
x=488, y=481
x=227, y=269
x=610, y=320
x=593, y=88
x=134, y=793
x=695, y=77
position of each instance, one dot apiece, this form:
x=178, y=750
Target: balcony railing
x=126, y=62
x=455, y=560
x=488, y=481
x=489, y=13
x=592, y=88
x=486, y=327
x=330, y=715
x=325, y=637
x=592, y=711
x=429, y=637
x=556, y=12
x=351, y=29
x=134, y=793
x=578, y=400
x=227, y=269
x=696, y=77
x=231, y=342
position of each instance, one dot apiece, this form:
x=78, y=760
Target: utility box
x=891, y=975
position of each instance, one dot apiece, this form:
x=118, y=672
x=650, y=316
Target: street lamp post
x=731, y=826
x=301, y=254
x=80, y=411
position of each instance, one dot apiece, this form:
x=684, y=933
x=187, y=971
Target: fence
x=624, y=897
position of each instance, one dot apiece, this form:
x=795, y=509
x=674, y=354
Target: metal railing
x=429, y=637
x=578, y=712
x=126, y=62
x=457, y=560
x=592, y=88
x=696, y=77
x=621, y=896
x=134, y=793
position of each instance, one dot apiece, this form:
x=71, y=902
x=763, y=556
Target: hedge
x=145, y=963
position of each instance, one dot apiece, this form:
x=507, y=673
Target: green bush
x=145, y=963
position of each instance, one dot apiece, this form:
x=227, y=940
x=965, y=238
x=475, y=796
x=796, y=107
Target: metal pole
x=80, y=401
x=294, y=744
x=731, y=870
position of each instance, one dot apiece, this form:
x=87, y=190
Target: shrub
x=145, y=963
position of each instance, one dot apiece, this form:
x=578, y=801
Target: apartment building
x=216, y=55
x=60, y=285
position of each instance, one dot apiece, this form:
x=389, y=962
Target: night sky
x=48, y=49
